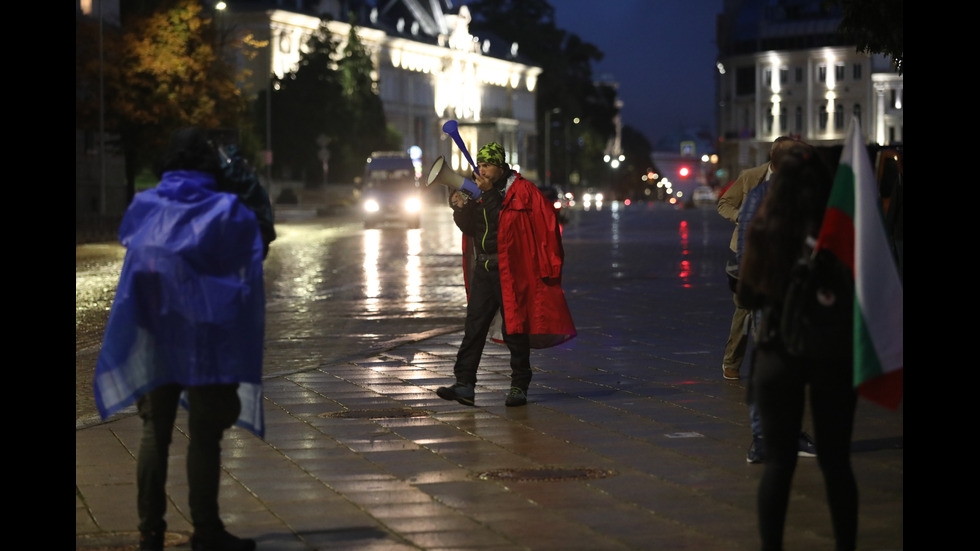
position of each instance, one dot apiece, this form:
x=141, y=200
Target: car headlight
x=371, y=205
x=413, y=205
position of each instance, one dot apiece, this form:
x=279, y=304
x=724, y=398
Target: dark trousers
x=485, y=300
x=780, y=382
x=211, y=410
x=738, y=337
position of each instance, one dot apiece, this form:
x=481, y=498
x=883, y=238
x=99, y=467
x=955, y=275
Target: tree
x=876, y=26
x=637, y=149
x=307, y=104
x=566, y=80
x=330, y=101
x=161, y=72
x=366, y=128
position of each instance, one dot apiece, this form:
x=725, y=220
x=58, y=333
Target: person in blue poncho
x=187, y=327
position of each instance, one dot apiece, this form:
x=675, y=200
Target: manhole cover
x=546, y=474
x=378, y=413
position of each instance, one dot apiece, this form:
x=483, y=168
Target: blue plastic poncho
x=190, y=304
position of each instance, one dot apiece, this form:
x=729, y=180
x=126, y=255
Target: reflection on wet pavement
x=335, y=290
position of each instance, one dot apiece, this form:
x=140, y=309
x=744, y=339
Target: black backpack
x=817, y=316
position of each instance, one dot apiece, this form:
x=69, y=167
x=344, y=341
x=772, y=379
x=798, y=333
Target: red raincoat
x=531, y=258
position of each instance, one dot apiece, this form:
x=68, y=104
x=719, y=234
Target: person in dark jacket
x=513, y=261
x=778, y=235
x=238, y=177
x=750, y=205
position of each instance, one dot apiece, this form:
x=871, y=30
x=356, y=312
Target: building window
x=744, y=81
x=769, y=118
x=783, y=75
x=799, y=74
x=823, y=116
x=822, y=73
x=838, y=117
x=839, y=72
x=782, y=119
x=799, y=120
x=857, y=111
x=857, y=71
x=767, y=76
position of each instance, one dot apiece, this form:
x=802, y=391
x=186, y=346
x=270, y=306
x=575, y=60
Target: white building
x=430, y=69
x=783, y=71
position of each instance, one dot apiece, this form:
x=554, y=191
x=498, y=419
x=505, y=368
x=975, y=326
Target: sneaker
x=463, y=394
x=730, y=373
x=807, y=447
x=516, y=397
x=223, y=541
x=151, y=541
x=757, y=451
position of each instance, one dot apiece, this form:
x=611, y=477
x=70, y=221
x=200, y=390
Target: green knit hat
x=492, y=153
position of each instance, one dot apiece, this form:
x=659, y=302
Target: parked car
x=390, y=191
x=704, y=196
x=554, y=196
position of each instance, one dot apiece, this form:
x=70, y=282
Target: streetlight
x=547, y=145
x=567, y=149
x=219, y=8
x=614, y=161
x=102, y=160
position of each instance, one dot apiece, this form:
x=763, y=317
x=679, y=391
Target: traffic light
x=684, y=171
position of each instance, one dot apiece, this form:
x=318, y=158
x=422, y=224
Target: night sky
x=662, y=53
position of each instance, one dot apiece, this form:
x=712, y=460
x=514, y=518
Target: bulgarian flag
x=854, y=230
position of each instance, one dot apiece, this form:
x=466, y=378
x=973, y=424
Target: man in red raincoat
x=513, y=261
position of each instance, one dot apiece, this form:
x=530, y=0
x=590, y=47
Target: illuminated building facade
x=783, y=70
x=429, y=69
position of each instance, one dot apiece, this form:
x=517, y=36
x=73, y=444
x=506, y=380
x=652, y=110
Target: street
x=336, y=290
x=353, y=288
x=362, y=326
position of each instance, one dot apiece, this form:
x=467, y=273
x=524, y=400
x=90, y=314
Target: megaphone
x=440, y=173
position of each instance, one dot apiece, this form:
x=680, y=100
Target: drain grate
x=547, y=474
x=384, y=413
